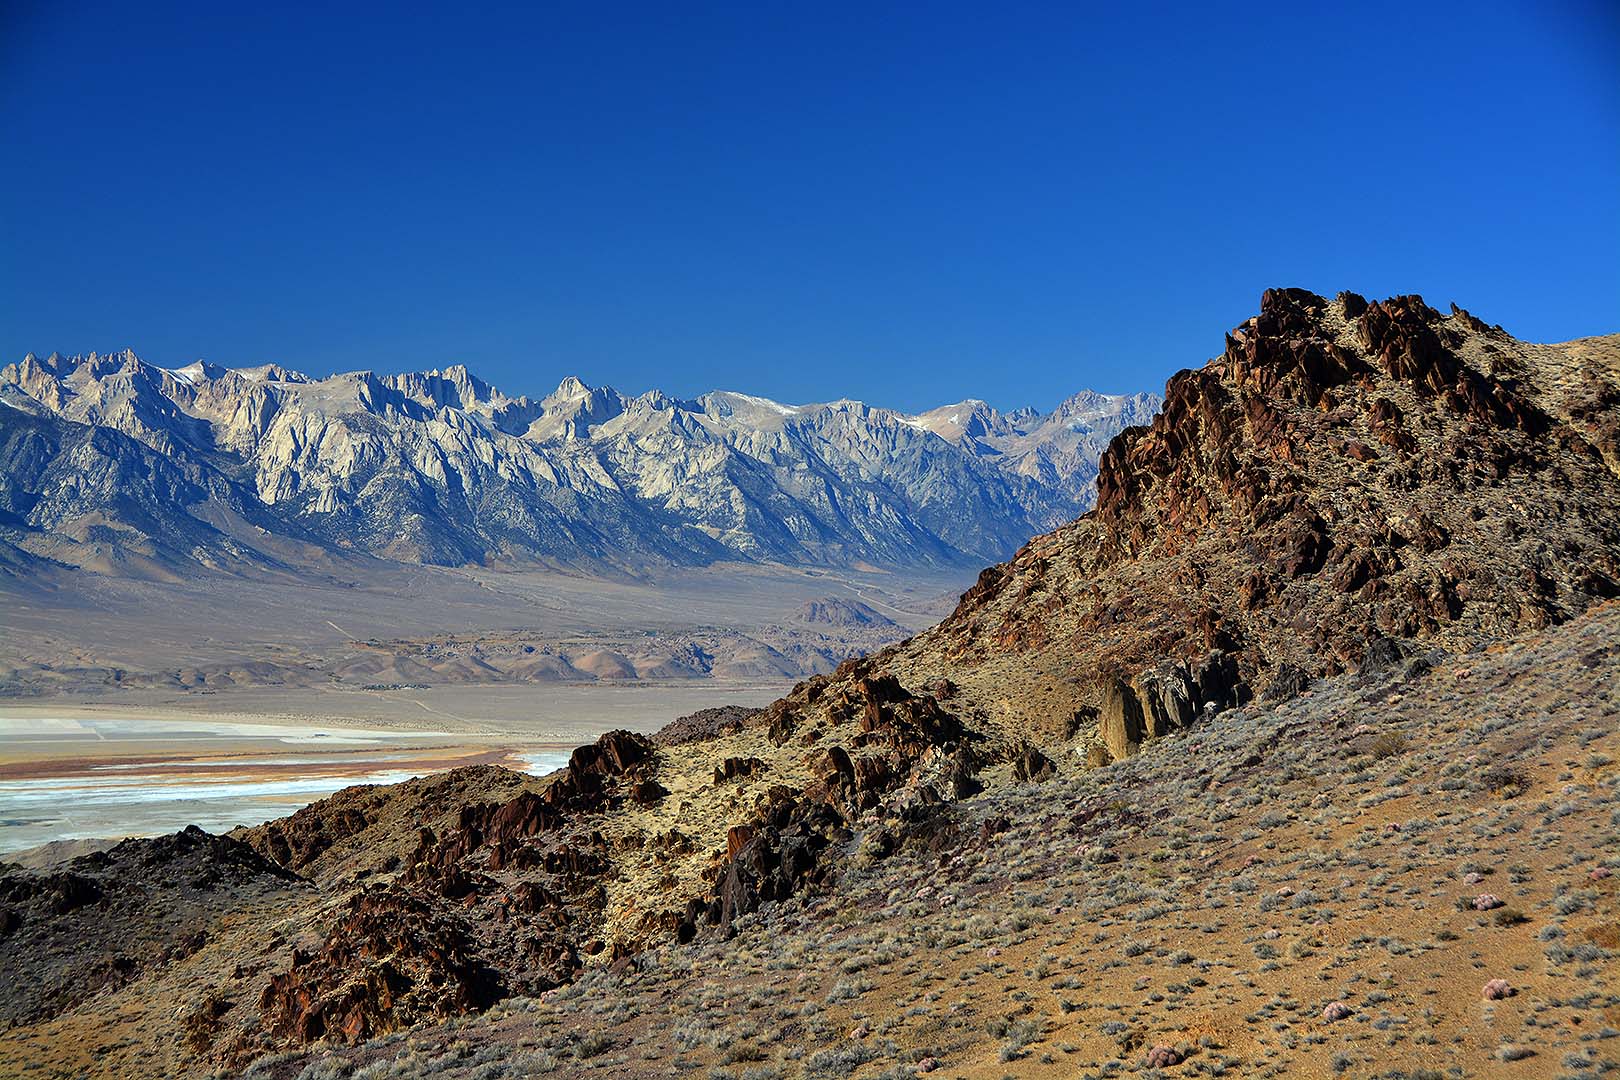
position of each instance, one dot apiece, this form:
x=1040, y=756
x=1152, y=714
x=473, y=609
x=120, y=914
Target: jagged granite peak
x=439, y=466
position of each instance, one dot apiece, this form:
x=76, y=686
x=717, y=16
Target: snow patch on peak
x=192, y=374
x=571, y=389
x=764, y=403
x=270, y=373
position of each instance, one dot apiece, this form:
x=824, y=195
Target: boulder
x=1120, y=724
x=1218, y=682
x=1033, y=766
x=1288, y=681
x=1163, y=1057
x=734, y=768
x=647, y=792
x=1168, y=698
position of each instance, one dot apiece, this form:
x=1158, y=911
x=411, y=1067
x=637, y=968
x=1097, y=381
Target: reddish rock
x=734, y=768
x=1336, y=1010
x=1032, y=766
x=1163, y=1057
x=389, y=962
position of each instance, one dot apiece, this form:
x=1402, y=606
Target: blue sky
x=910, y=204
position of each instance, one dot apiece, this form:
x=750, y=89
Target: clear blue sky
x=908, y=204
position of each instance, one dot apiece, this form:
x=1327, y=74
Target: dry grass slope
x=1204, y=902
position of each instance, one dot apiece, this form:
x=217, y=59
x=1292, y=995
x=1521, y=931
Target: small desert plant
x=1387, y=745
x=1505, y=783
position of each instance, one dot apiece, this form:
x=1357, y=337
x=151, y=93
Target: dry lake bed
x=77, y=771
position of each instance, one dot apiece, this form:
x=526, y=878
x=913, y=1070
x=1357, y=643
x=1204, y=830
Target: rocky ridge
x=1347, y=480
x=101, y=920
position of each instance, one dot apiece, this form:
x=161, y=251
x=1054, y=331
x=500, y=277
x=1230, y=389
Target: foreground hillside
x=1398, y=843
x=1267, y=765
x=1394, y=841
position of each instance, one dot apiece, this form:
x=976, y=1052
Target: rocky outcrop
x=1345, y=472
x=391, y=960
x=778, y=856
x=514, y=897
x=1168, y=697
x=508, y=900
x=704, y=724
x=365, y=830
x=1032, y=766
x=105, y=918
x=733, y=768
x=1121, y=726
x=906, y=754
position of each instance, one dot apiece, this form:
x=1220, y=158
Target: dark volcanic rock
x=506, y=901
x=392, y=960
x=780, y=857
x=734, y=768
x=1032, y=765
x=908, y=753
x=105, y=917
x=704, y=724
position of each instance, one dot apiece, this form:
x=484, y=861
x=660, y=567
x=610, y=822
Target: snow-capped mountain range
x=112, y=463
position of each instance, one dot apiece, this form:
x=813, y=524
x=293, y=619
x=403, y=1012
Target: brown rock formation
x=1344, y=472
